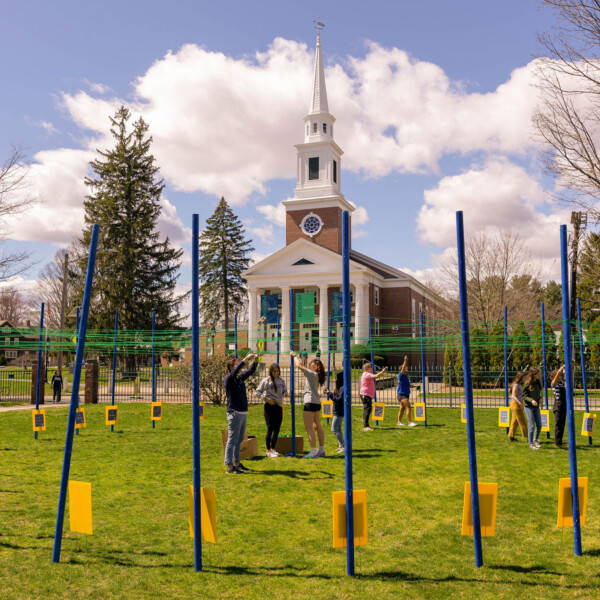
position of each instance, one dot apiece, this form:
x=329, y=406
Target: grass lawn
x=275, y=524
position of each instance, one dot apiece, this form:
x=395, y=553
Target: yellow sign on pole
x=39, y=419
x=503, y=416
x=361, y=535
x=378, y=411
x=201, y=411
x=463, y=413
x=420, y=411
x=112, y=414
x=565, y=501
x=488, y=500
x=589, y=422
x=156, y=411
x=327, y=409
x=545, y=416
x=80, y=418
x=208, y=514
x=80, y=507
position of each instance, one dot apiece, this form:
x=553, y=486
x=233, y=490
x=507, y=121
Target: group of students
x=273, y=389
x=526, y=394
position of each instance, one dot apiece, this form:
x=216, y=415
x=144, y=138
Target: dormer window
x=313, y=168
x=324, y=127
x=315, y=126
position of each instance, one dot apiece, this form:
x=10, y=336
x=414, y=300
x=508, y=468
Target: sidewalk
x=66, y=401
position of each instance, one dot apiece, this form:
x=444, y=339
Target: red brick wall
x=330, y=235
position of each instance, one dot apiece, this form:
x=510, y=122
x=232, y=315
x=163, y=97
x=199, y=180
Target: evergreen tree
x=136, y=272
x=458, y=366
x=496, y=346
x=537, y=357
x=479, y=351
x=449, y=358
x=594, y=344
x=223, y=258
x=521, y=356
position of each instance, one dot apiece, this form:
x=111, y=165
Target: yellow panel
x=589, y=422
x=201, y=411
x=420, y=411
x=208, y=514
x=488, y=500
x=80, y=507
x=545, y=416
x=41, y=422
x=503, y=416
x=565, y=501
x=327, y=409
x=463, y=413
x=110, y=414
x=361, y=536
x=156, y=411
x=378, y=411
x=80, y=411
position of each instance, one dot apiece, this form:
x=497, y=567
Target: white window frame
x=376, y=326
x=11, y=354
x=375, y=295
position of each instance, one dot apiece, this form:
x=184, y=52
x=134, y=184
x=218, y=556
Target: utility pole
x=579, y=222
x=63, y=307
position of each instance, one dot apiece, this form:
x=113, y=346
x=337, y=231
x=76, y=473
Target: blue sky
x=433, y=101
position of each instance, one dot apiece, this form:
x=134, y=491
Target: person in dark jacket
x=57, y=384
x=237, y=410
x=338, y=410
x=532, y=393
x=560, y=404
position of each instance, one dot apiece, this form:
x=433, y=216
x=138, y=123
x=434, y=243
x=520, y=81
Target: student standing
x=338, y=410
x=560, y=405
x=314, y=376
x=272, y=389
x=516, y=407
x=237, y=410
x=57, y=384
x=367, y=392
x=532, y=392
x=404, y=395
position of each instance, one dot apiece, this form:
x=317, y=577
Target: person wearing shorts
x=404, y=395
x=314, y=376
x=367, y=392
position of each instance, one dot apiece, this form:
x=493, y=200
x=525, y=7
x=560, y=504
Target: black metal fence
x=15, y=385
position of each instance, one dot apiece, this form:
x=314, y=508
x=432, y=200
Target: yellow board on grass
x=208, y=514
x=156, y=411
x=327, y=409
x=39, y=419
x=420, y=411
x=80, y=418
x=112, y=415
x=80, y=507
x=378, y=411
x=201, y=411
x=463, y=413
x=504, y=416
x=545, y=417
x=361, y=536
x=589, y=422
x=488, y=500
x=565, y=501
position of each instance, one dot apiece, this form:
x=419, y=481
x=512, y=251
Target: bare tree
x=15, y=306
x=568, y=117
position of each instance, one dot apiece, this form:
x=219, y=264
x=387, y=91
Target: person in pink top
x=367, y=392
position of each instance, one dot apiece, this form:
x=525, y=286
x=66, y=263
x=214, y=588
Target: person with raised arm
x=560, y=404
x=367, y=392
x=516, y=407
x=403, y=392
x=532, y=392
x=337, y=397
x=272, y=390
x=314, y=377
x=237, y=410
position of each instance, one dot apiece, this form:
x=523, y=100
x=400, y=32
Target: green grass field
x=275, y=524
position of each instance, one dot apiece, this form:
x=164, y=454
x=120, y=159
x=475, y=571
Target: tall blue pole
x=87, y=292
x=292, y=377
x=372, y=353
x=423, y=371
x=277, y=338
x=464, y=319
x=196, y=392
x=347, y=392
x=153, y=364
x=236, y=335
x=329, y=353
x=506, y=400
x=582, y=355
x=544, y=364
x=114, y=365
x=39, y=366
x=564, y=269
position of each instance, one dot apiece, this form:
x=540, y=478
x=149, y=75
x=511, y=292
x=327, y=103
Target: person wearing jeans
x=338, y=410
x=237, y=410
x=367, y=392
x=532, y=392
x=560, y=405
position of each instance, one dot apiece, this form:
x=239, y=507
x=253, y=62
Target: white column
x=252, y=304
x=323, y=319
x=284, y=322
x=361, y=313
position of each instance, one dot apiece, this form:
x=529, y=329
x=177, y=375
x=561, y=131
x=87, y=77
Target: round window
x=311, y=224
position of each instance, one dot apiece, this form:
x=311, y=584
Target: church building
x=383, y=298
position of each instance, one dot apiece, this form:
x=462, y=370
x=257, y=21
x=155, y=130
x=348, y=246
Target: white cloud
x=265, y=233
x=47, y=126
x=275, y=214
x=360, y=216
x=256, y=257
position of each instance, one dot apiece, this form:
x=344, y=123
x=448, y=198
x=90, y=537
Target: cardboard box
x=249, y=447
x=284, y=444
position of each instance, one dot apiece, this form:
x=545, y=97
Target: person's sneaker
x=533, y=447
x=269, y=454
x=400, y=425
x=341, y=450
x=312, y=453
x=537, y=444
x=412, y=424
x=512, y=439
x=241, y=467
x=367, y=429
x=231, y=470
x=274, y=453
x=320, y=454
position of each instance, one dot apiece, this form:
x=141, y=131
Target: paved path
x=48, y=404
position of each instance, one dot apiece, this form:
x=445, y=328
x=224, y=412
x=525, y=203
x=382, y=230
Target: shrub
x=2, y=360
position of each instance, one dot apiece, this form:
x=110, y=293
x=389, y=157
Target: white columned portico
x=361, y=313
x=285, y=320
x=252, y=319
x=323, y=319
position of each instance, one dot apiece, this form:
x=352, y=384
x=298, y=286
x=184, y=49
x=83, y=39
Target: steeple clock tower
x=315, y=212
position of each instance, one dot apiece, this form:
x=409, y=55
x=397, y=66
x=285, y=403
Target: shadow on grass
x=592, y=552
x=284, y=571
x=522, y=569
x=297, y=474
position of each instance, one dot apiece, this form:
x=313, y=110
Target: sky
x=432, y=98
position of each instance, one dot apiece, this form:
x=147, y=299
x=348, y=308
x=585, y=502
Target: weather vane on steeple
x=318, y=25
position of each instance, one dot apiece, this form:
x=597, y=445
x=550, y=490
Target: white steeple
x=319, y=97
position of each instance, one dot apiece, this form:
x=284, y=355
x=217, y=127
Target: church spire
x=319, y=96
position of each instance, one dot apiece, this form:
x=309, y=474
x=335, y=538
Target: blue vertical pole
x=114, y=365
x=329, y=353
x=277, y=334
x=423, y=371
x=581, y=353
x=347, y=392
x=372, y=358
x=39, y=366
x=87, y=292
x=153, y=365
x=292, y=378
x=464, y=318
x=236, y=335
x=196, y=393
x=544, y=365
x=506, y=399
x=564, y=269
